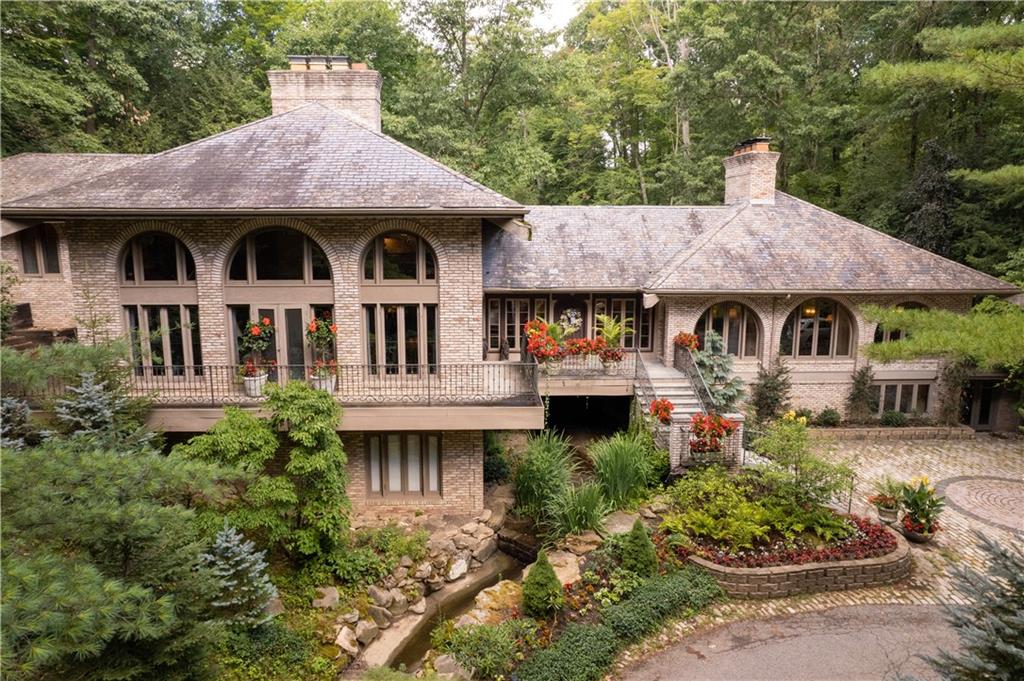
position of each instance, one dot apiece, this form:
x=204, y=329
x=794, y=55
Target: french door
x=288, y=349
x=401, y=338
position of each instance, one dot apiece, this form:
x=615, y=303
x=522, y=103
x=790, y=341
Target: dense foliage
x=488, y=651
x=770, y=392
x=715, y=366
x=899, y=115
x=861, y=401
x=544, y=471
x=542, y=592
x=245, y=587
x=624, y=467
x=637, y=551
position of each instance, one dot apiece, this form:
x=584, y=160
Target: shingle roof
x=589, y=247
x=789, y=246
x=312, y=158
x=26, y=174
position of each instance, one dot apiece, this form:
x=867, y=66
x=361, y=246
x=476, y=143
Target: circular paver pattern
x=995, y=501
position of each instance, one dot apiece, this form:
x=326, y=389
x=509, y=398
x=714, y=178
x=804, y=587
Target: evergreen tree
x=542, y=592
x=862, y=401
x=638, y=553
x=245, y=587
x=769, y=393
x=14, y=426
x=991, y=627
x=715, y=366
x=90, y=409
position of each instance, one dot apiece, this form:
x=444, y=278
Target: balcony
x=585, y=375
x=471, y=396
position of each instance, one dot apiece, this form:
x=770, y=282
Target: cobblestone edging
x=905, y=433
x=790, y=580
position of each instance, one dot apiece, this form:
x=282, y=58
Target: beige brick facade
x=47, y=294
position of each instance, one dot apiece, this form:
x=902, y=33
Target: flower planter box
x=789, y=580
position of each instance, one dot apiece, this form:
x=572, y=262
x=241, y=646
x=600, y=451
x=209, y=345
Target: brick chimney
x=333, y=81
x=750, y=172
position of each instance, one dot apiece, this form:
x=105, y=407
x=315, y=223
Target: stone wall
x=908, y=433
x=790, y=580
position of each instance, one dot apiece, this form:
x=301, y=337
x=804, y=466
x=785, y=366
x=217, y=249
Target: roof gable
x=312, y=158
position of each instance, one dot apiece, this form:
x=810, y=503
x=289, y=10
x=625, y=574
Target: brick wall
x=816, y=383
x=791, y=580
x=750, y=177
x=48, y=294
x=356, y=92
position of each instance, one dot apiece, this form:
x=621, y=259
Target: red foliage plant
x=687, y=340
x=662, y=410
x=708, y=430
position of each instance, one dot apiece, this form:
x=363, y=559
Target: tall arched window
x=399, y=295
x=883, y=335
x=161, y=304
x=736, y=324
x=819, y=327
x=280, y=274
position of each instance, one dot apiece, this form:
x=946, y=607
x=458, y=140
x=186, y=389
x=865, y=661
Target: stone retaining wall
x=790, y=580
x=908, y=433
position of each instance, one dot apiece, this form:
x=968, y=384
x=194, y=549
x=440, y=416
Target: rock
x=447, y=668
x=328, y=597
x=405, y=562
x=485, y=516
x=423, y=571
x=346, y=640
x=419, y=607
x=467, y=541
x=436, y=547
x=399, y=603
x=503, y=493
x=619, y=522
x=381, y=617
x=566, y=565
x=582, y=544
x=659, y=507
x=400, y=573
x=458, y=569
x=486, y=549
x=474, y=564
x=434, y=583
x=381, y=597
x=366, y=631
x=497, y=518
x=494, y=604
x=275, y=607
x=415, y=591
x=440, y=560
x=350, y=617
x=648, y=513
x=469, y=528
x=483, y=532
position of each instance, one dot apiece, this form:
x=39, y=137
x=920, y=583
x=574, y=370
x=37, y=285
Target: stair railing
x=684, y=362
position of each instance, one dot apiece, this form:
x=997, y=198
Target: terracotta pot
x=254, y=384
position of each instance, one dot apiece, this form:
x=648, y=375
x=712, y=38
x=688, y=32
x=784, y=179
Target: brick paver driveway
x=982, y=479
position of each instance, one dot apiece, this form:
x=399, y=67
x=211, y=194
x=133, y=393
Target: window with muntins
x=403, y=464
x=280, y=255
x=883, y=335
x=819, y=327
x=397, y=258
x=736, y=324
x=157, y=258
x=908, y=398
x=39, y=247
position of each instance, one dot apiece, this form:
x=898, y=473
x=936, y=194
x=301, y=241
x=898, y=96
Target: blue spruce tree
x=245, y=587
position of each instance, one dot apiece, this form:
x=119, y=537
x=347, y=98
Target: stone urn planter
x=253, y=385
x=887, y=515
x=328, y=383
x=551, y=367
x=611, y=367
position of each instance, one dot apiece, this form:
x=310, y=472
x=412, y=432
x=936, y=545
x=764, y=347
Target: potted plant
x=662, y=410
x=886, y=499
x=921, y=509
x=707, y=433
x=690, y=341
x=254, y=342
x=543, y=342
x=320, y=334
x=611, y=331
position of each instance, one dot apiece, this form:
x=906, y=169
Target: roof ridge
x=406, y=147
x=680, y=257
x=630, y=205
x=896, y=239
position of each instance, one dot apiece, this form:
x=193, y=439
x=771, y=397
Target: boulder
x=346, y=640
x=470, y=527
x=458, y=569
x=419, y=607
x=381, y=597
x=648, y=513
x=487, y=548
x=467, y=541
x=659, y=506
x=350, y=617
x=447, y=668
x=497, y=518
x=399, y=603
x=400, y=573
x=566, y=565
x=405, y=562
x=619, y=522
x=423, y=571
x=275, y=607
x=494, y=604
x=483, y=532
x=582, y=544
x=380, y=616
x=434, y=583
x=328, y=597
x=366, y=631
x=485, y=516
x=436, y=547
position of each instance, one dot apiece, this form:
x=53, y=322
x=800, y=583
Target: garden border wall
x=892, y=433
x=790, y=580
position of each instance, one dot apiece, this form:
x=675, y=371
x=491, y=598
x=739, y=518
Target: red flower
x=708, y=430
x=334, y=328
x=662, y=410
x=266, y=321
x=255, y=330
x=687, y=340
x=312, y=327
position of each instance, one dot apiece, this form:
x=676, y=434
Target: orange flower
x=266, y=321
x=312, y=327
x=255, y=330
x=334, y=328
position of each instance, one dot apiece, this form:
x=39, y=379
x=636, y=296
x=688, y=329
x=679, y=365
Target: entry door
x=289, y=347
x=983, y=394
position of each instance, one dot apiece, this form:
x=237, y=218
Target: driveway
x=855, y=643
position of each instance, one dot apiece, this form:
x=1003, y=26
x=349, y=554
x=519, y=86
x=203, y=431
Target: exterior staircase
x=676, y=387
x=24, y=336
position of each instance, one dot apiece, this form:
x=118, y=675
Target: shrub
x=658, y=598
x=545, y=470
x=8, y=282
x=270, y=652
x=245, y=587
x=542, y=592
x=15, y=428
x=715, y=366
x=769, y=393
x=582, y=653
x=623, y=467
x=862, y=400
x=496, y=468
x=637, y=551
x=894, y=419
x=804, y=413
x=828, y=418
x=487, y=650
x=575, y=509
x=373, y=553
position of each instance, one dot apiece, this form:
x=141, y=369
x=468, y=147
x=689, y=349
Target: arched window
x=161, y=305
x=39, y=250
x=736, y=324
x=280, y=274
x=399, y=294
x=278, y=254
x=818, y=327
x=883, y=335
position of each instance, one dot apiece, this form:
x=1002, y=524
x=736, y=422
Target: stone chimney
x=333, y=81
x=750, y=172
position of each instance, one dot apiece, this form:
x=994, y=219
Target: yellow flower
x=790, y=415
x=802, y=420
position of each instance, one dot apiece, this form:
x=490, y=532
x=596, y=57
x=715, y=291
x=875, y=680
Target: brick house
x=430, y=277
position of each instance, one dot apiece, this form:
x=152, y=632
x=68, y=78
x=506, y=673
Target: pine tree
x=542, y=592
x=638, y=553
x=14, y=426
x=861, y=402
x=90, y=409
x=715, y=366
x=245, y=587
x=991, y=628
x=769, y=394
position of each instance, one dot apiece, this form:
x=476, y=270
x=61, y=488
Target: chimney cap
x=752, y=144
x=301, y=62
